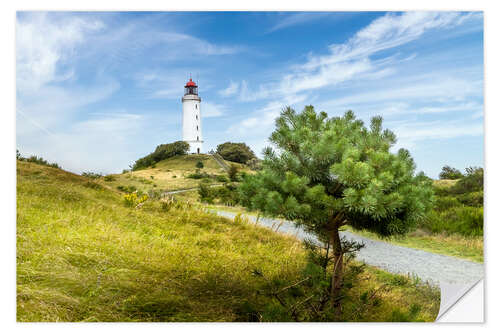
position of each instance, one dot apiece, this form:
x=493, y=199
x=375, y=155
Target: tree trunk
x=338, y=270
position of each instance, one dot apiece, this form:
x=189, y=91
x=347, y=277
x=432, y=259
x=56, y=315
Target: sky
x=96, y=91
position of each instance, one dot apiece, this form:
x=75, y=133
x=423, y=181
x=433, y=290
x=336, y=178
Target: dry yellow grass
x=82, y=255
x=171, y=174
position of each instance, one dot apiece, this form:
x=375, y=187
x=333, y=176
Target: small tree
x=329, y=172
x=233, y=172
x=450, y=173
x=199, y=165
x=235, y=152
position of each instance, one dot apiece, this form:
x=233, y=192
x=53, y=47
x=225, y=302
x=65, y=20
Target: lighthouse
x=191, y=118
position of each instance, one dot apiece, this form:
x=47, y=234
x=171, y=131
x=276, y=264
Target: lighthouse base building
x=191, y=118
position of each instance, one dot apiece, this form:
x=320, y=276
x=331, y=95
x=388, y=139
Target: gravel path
x=435, y=268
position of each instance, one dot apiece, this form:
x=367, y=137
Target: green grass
x=83, y=256
x=470, y=248
x=170, y=174
x=465, y=247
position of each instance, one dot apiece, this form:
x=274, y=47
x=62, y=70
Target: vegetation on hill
x=174, y=173
x=459, y=206
x=36, y=159
x=235, y=152
x=450, y=173
x=331, y=172
x=162, y=152
x=84, y=255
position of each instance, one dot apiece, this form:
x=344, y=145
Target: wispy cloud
x=354, y=60
x=290, y=20
x=210, y=110
x=43, y=43
x=231, y=90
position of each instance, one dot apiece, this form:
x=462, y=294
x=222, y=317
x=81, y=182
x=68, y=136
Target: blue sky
x=95, y=91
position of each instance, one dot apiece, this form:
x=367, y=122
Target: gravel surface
x=431, y=267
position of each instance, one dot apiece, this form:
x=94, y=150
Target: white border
x=8, y=204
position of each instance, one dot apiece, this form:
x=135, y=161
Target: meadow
x=171, y=174
x=83, y=255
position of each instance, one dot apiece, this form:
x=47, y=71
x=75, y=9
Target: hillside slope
x=172, y=174
x=82, y=255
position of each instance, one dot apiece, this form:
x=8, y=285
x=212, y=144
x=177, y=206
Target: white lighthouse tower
x=191, y=118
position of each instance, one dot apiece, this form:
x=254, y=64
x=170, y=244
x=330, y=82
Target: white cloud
x=354, y=61
x=193, y=45
x=102, y=142
x=42, y=43
x=298, y=18
x=428, y=87
x=231, y=90
x=410, y=133
x=210, y=110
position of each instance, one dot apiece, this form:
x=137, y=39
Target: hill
x=172, y=174
x=82, y=255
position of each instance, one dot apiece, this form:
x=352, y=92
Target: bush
x=162, y=152
x=197, y=175
x=206, y=193
x=464, y=220
x=471, y=182
x=450, y=173
x=109, y=178
x=91, y=175
x=199, y=165
x=37, y=160
x=227, y=194
x=473, y=199
x=127, y=189
x=222, y=178
x=232, y=173
x=254, y=164
x=235, y=152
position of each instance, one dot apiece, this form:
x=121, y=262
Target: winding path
x=431, y=267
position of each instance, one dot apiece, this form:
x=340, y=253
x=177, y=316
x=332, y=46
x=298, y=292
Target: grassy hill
x=82, y=255
x=171, y=174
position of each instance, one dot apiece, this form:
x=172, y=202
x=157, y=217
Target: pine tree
x=325, y=173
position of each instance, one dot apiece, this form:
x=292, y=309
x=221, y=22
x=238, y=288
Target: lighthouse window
x=196, y=117
x=196, y=106
x=197, y=138
x=196, y=127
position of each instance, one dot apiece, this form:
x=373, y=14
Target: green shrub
x=227, y=194
x=127, y=189
x=109, y=178
x=254, y=164
x=198, y=175
x=199, y=165
x=161, y=152
x=235, y=152
x=222, y=178
x=206, y=193
x=471, y=182
x=446, y=202
x=37, y=160
x=474, y=199
x=233, y=172
x=464, y=220
x=93, y=185
x=92, y=175
x=450, y=173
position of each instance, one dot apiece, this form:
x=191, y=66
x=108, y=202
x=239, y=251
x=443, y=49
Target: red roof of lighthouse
x=190, y=83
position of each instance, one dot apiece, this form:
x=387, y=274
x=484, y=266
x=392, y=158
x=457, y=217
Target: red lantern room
x=191, y=88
